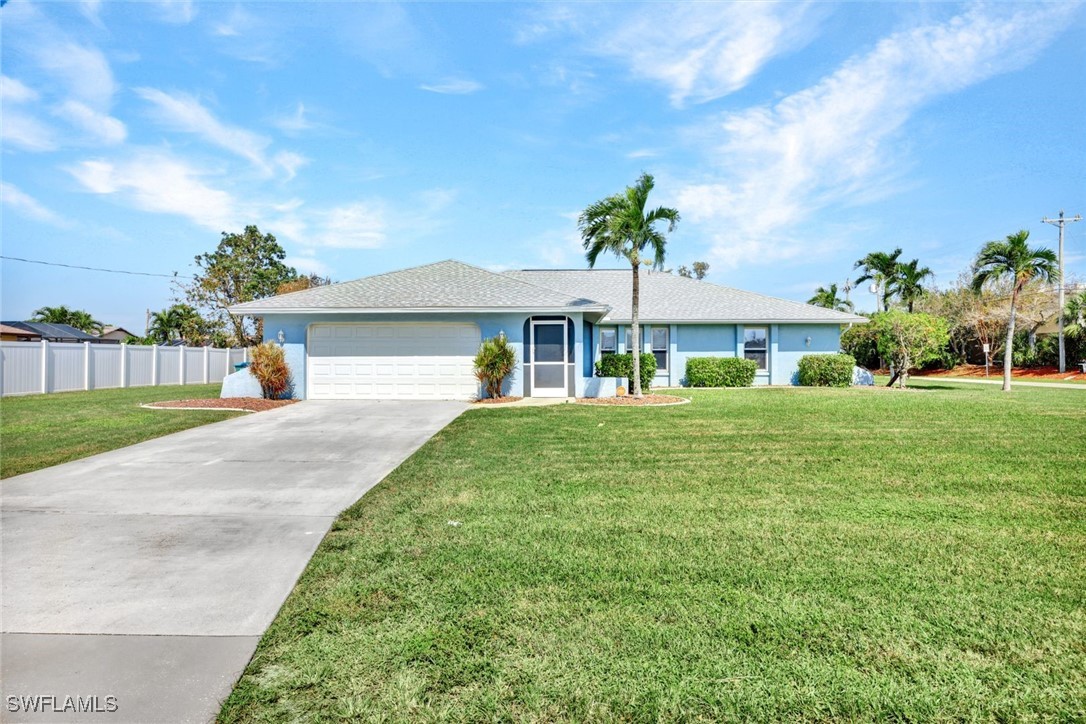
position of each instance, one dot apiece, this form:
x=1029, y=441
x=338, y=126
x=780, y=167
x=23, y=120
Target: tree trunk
x=635, y=329
x=1008, y=353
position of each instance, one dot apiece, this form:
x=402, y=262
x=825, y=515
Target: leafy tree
x=908, y=282
x=72, y=317
x=881, y=268
x=242, y=268
x=827, y=297
x=1015, y=259
x=303, y=282
x=698, y=271
x=907, y=340
x=621, y=225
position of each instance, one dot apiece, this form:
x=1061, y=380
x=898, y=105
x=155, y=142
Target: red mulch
x=630, y=401
x=1074, y=372
x=252, y=404
x=497, y=400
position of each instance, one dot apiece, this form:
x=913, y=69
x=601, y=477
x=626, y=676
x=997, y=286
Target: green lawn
x=37, y=431
x=756, y=555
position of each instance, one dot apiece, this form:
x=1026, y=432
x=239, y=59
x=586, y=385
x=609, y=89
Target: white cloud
x=294, y=123
x=27, y=205
x=290, y=162
x=101, y=127
x=308, y=265
x=158, y=182
x=179, y=12
x=642, y=153
x=14, y=91
x=84, y=70
x=90, y=10
x=831, y=144
x=360, y=225
x=182, y=112
x=453, y=86
x=22, y=131
x=698, y=51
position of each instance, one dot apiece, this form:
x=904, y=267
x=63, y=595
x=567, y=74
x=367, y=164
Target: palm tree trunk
x=1008, y=352
x=635, y=383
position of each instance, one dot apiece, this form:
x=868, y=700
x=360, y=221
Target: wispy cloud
x=22, y=203
x=294, y=123
x=184, y=113
x=308, y=265
x=642, y=153
x=830, y=144
x=178, y=12
x=14, y=91
x=697, y=51
x=100, y=127
x=23, y=131
x=453, y=86
x=84, y=70
x=158, y=182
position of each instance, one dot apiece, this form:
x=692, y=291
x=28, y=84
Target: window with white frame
x=629, y=336
x=755, y=345
x=659, y=347
x=608, y=341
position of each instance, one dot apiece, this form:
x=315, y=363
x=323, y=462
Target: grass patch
x=38, y=431
x=760, y=555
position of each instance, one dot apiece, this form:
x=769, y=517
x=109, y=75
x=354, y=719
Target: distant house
x=115, y=334
x=34, y=331
x=9, y=333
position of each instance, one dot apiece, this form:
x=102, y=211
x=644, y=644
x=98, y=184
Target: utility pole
x=848, y=289
x=1061, y=222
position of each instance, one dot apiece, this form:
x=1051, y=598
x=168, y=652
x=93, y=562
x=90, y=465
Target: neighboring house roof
x=670, y=298
x=6, y=328
x=54, y=332
x=116, y=332
x=446, y=286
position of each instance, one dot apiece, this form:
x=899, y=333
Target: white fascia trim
x=848, y=320
x=257, y=311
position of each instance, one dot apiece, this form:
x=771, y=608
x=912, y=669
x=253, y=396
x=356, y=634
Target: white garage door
x=392, y=361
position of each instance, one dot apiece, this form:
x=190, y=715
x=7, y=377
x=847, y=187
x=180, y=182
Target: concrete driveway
x=148, y=574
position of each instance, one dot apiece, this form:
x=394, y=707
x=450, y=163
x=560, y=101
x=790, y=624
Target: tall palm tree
x=620, y=225
x=827, y=297
x=1074, y=316
x=881, y=268
x=1016, y=259
x=164, y=325
x=908, y=282
x=77, y=318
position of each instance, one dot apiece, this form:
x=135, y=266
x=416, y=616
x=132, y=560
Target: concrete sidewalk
x=142, y=579
x=1014, y=383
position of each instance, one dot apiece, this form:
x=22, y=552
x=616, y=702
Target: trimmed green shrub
x=269, y=367
x=720, y=372
x=859, y=341
x=621, y=365
x=494, y=361
x=826, y=370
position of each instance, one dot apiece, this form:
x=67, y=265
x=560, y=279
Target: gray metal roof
x=54, y=332
x=671, y=298
x=443, y=286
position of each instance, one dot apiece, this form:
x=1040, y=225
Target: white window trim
x=666, y=349
x=614, y=334
x=764, y=349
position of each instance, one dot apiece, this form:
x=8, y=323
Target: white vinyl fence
x=38, y=367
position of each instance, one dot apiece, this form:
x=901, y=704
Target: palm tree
x=77, y=318
x=908, y=282
x=1074, y=316
x=881, y=268
x=620, y=225
x=164, y=325
x=1013, y=258
x=827, y=297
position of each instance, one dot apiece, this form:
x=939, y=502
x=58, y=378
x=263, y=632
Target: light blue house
x=412, y=334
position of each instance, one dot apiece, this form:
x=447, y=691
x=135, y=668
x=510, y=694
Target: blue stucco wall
x=700, y=340
x=295, y=329
x=792, y=344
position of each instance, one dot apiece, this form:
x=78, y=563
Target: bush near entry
x=621, y=365
x=826, y=370
x=720, y=372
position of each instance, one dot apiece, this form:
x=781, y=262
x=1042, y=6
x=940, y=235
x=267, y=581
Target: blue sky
x=792, y=137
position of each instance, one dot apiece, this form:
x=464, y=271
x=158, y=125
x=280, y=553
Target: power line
x=95, y=268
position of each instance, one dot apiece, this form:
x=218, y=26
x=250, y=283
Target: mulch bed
x=629, y=401
x=1039, y=374
x=498, y=400
x=252, y=404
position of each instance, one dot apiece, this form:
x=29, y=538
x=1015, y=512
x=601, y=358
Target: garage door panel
x=375, y=361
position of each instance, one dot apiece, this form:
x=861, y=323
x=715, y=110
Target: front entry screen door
x=549, y=359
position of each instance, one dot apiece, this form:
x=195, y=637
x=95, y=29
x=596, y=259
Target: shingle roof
x=670, y=298
x=444, y=286
x=53, y=331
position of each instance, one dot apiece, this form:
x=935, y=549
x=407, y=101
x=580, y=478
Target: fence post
x=44, y=365
x=244, y=354
x=124, y=365
x=154, y=365
x=86, y=365
x=207, y=364
x=181, y=365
